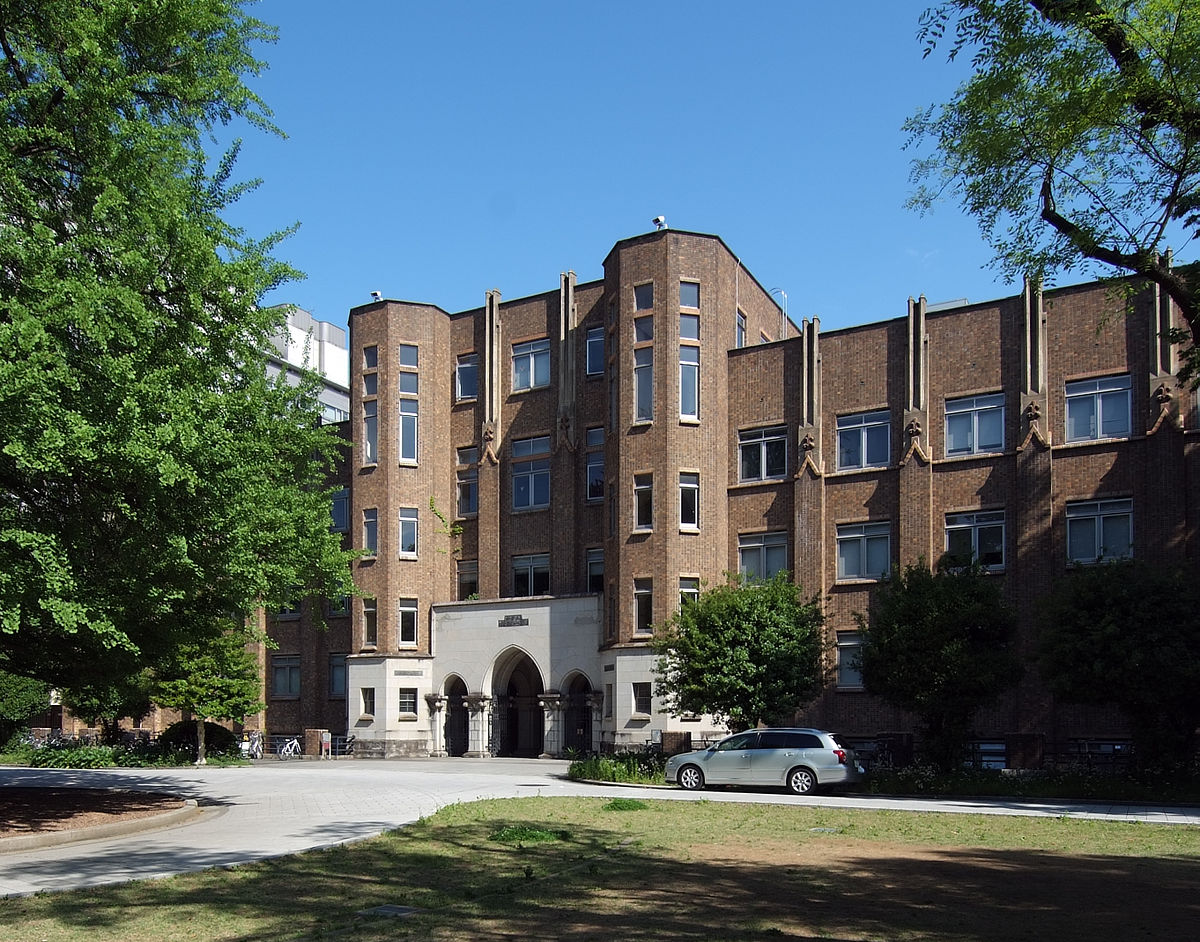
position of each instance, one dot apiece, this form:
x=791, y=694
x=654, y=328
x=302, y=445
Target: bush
x=182, y=735
x=639, y=768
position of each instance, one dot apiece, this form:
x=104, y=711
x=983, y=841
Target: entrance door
x=577, y=717
x=457, y=729
x=518, y=714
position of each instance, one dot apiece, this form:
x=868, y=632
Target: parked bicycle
x=252, y=744
x=290, y=749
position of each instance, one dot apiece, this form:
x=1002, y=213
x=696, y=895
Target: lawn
x=590, y=869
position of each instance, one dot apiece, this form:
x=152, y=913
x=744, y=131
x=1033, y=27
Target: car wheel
x=690, y=778
x=801, y=781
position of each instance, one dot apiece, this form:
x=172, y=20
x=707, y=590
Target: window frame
x=689, y=487
x=594, y=563
x=535, y=354
x=1098, y=510
x=409, y=519
x=337, y=668
x=686, y=302
x=593, y=359
x=289, y=665
x=642, y=692
x=643, y=296
x=366, y=700
x=532, y=565
x=370, y=622
x=406, y=623
x=530, y=463
x=405, y=696
x=863, y=535
x=859, y=425
x=762, y=543
x=339, y=510
x=409, y=441
x=1099, y=391
x=849, y=674
x=370, y=431
x=643, y=384
x=643, y=501
x=689, y=368
x=973, y=522
x=468, y=568
x=593, y=489
x=762, y=440
x=689, y=590
x=643, y=606
x=466, y=482
x=974, y=408
x=467, y=364
x=370, y=531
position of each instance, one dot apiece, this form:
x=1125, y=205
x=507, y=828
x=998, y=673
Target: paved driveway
x=274, y=808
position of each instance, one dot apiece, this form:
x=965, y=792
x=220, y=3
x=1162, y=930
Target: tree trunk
x=200, y=760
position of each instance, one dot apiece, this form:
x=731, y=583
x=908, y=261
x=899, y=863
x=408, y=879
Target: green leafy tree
x=745, y=652
x=1077, y=139
x=215, y=679
x=108, y=700
x=21, y=699
x=153, y=482
x=1127, y=633
x=939, y=644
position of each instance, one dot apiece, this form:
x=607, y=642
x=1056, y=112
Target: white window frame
x=689, y=369
x=1110, y=400
x=764, y=546
x=366, y=697
x=595, y=569
x=467, y=365
x=643, y=501
x=642, y=692
x=370, y=531
x=535, y=355
x=762, y=443
x=371, y=431
x=643, y=384
x=467, y=572
x=404, y=697
x=643, y=606
x=973, y=414
x=370, y=622
x=1099, y=514
x=408, y=356
x=689, y=492
x=409, y=532
x=594, y=351
x=594, y=481
x=407, y=630
x=689, y=590
x=531, y=565
x=531, y=465
x=860, y=426
x=409, y=443
x=466, y=502
x=849, y=650
x=972, y=524
x=739, y=330
x=686, y=303
x=643, y=296
x=865, y=538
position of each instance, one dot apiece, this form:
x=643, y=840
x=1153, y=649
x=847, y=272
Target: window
x=849, y=659
x=408, y=355
x=595, y=436
x=371, y=358
x=468, y=481
x=408, y=431
x=595, y=570
x=466, y=377
x=643, y=296
x=608, y=700
x=689, y=382
x=689, y=294
x=340, y=511
x=643, y=500
x=864, y=550
x=643, y=329
x=371, y=531
x=408, y=623
x=370, y=384
x=739, y=331
x=406, y=701
x=643, y=380
x=595, y=351
x=531, y=575
x=340, y=605
x=763, y=453
x=976, y=536
x=1098, y=408
x=367, y=696
x=643, y=606
x=370, y=624
x=762, y=555
x=531, y=365
x=285, y=675
x=689, y=500
x=291, y=607
x=689, y=327
x=863, y=440
x=337, y=675
x=408, y=531
x=409, y=383
x=468, y=579
x=641, y=698
x=595, y=475
x=975, y=425
x=1099, y=529
x=531, y=475
x=371, y=431
x=689, y=590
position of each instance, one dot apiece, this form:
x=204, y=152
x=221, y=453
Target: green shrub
x=217, y=739
x=637, y=768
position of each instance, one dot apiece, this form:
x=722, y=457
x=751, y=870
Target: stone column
x=552, y=709
x=595, y=701
x=478, y=735
x=437, y=724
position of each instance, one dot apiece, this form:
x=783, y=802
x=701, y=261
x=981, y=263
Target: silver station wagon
x=796, y=759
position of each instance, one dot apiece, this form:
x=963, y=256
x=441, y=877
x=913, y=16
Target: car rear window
x=784, y=739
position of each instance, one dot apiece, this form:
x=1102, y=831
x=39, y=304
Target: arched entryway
x=577, y=715
x=457, y=721
x=518, y=727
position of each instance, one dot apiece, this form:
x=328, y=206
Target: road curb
x=97, y=832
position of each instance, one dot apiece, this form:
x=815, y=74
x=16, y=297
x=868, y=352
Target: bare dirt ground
x=39, y=810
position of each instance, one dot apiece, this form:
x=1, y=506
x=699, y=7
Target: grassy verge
x=589, y=869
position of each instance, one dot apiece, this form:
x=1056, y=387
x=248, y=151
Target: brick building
x=538, y=482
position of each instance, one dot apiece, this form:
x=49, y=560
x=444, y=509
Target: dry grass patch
x=672, y=870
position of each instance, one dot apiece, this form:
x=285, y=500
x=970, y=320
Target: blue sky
x=437, y=150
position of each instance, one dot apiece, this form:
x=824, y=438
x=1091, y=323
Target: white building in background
x=320, y=347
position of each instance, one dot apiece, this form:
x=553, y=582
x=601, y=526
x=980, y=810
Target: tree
x=217, y=679
x=744, y=652
x=107, y=700
x=1127, y=633
x=21, y=699
x=1077, y=139
x=939, y=644
x=153, y=482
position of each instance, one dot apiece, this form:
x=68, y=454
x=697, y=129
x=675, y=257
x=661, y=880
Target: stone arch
x=577, y=712
x=518, y=724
